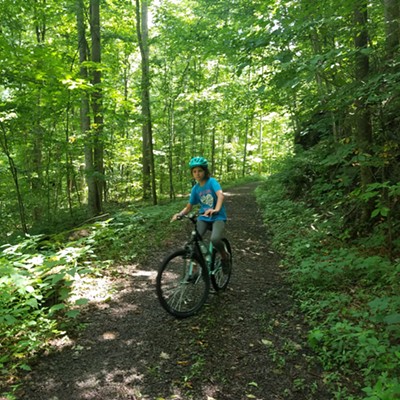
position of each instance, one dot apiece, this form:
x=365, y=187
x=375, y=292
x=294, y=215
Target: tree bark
x=392, y=27
x=363, y=127
x=246, y=138
x=97, y=100
x=171, y=143
x=84, y=110
x=147, y=135
x=14, y=174
x=36, y=159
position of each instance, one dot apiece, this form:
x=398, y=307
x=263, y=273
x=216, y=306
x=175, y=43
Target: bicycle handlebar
x=191, y=216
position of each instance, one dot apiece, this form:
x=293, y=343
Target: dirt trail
x=247, y=343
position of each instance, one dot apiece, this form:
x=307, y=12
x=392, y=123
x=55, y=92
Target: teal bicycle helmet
x=198, y=162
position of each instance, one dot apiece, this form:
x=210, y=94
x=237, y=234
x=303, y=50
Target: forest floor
x=246, y=343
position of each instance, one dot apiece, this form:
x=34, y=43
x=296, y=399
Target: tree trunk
x=97, y=99
x=246, y=138
x=68, y=161
x=36, y=159
x=213, y=141
x=392, y=28
x=171, y=142
x=14, y=174
x=363, y=127
x=149, y=183
x=84, y=111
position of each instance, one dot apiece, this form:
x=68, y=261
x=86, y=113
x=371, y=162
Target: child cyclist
x=208, y=193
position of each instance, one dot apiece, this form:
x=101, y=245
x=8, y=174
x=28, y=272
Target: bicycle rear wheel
x=182, y=284
x=220, y=276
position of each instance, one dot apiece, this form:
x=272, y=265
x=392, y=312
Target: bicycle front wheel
x=182, y=284
x=221, y=274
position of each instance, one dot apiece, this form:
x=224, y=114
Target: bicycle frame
x=194, y=245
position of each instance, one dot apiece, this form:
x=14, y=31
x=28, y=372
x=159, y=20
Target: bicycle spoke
x=221, y=275
x=182, y=288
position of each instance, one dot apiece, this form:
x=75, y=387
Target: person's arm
x=185, y=211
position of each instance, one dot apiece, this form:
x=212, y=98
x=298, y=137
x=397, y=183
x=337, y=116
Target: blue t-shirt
x=207, y=198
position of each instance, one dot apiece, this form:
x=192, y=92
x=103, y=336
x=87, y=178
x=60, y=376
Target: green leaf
x=29, y=289
x=10, y=320
x=25, y=367
x=266, y=342
x=57, y=307
x=32, y=302
x=56, y=278
x=392, y=319
x=81, y=302
x=73, y=313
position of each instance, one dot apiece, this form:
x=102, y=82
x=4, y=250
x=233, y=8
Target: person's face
x=198, y=174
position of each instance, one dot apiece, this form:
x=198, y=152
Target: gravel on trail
x=249, y=342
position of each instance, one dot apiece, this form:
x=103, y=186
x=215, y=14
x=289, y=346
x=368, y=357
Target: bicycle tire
x=219, y=278
x=179, y=294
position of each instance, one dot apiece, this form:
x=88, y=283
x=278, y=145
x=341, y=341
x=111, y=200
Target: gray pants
x=217, y=232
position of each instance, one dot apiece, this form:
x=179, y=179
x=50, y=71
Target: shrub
x=347, y=286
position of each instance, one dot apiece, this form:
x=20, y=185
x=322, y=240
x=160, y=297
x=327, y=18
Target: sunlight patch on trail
x=147, y=274
x=109, y=335
x=95, y=289
x=122, y=383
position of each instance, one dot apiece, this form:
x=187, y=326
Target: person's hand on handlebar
x=175, y=217
x=184, y=212
x=209, y=212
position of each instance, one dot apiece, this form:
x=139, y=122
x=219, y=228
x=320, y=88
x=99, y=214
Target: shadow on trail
x=130, y=349
x=245, y=343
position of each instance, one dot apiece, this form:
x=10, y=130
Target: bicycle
x=185, y=276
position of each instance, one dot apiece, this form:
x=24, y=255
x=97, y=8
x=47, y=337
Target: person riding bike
x=207, y=192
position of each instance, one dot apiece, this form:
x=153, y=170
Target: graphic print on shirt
x=207, y=200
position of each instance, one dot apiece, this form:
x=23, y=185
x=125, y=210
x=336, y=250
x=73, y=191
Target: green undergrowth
x=348, y=288
x=42, y=277
x=39, y=298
